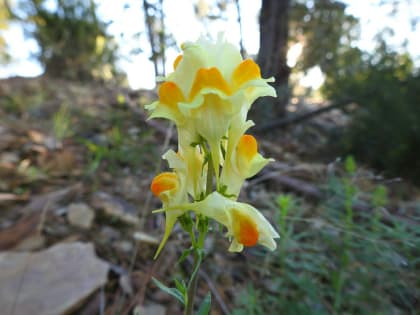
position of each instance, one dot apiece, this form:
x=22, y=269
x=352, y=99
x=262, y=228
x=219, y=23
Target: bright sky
x=181, y=20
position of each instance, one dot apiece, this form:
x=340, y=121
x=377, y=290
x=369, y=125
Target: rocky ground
x=76, y=231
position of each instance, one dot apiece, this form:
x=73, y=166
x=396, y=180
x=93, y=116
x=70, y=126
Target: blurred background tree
x=73, y=42
x=322, y=28
x=325, y=31
x=272, y=57
x=385, y=126
x=4, y=24
x=159, y=37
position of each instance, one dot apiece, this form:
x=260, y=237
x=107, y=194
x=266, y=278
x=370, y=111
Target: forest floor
x=76, y=162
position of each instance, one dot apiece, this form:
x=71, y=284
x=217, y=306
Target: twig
x=215, y=293
x=241, y=37
x=139, y=298
x=12, y=197
x=43, y=217
x=297, y=185
x=38, y=203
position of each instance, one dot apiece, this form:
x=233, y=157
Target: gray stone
x=80, y=215
x=50, y=282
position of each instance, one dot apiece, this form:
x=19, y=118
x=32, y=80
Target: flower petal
x=177, y=61
x=247, y=147
x=245, y=223
x=171, y=218
x=244, y=228
x=170, y=94
x=164, y=182
x=209, y=78
x=246, y=71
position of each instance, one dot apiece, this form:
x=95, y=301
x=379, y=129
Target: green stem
x=192, y=286
x=199, y=244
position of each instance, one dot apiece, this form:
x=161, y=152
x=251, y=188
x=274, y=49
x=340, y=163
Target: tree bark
x=272, y=58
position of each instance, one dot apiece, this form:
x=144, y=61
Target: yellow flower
x=164, y=186
x=209, y=86
x=167, y=187
x=208, y=97
x=189, y=166
x=242, y=161
x=246, y=226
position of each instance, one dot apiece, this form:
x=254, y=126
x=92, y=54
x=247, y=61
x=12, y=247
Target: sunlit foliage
x=73, y=41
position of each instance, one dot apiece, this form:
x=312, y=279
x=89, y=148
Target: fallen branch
x=33, y=216
x=38, y=203
x=298, y=118
x=215, y=292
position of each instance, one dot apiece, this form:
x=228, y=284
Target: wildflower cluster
x=208, y=97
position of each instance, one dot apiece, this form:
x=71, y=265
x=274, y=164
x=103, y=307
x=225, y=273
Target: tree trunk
x=272, y=58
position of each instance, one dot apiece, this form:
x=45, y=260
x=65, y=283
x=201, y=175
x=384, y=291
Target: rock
x=50, y=282
x=80, y=215
x=110, y=234
x=124, y=246
x=34, y=242
x=145, y=238
x=9, y=158
x=52, y=143
x=125, y=284
x=129, y=187
x=152, y=309
x=115, y=207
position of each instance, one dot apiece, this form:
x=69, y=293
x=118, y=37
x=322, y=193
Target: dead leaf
x=15, y=234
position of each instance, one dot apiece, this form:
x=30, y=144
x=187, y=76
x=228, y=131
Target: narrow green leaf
x=205, y=305
x=171, y=291
x=181, y=286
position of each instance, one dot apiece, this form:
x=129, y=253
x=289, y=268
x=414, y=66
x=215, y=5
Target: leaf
x=205, y=305
x=185, y=254
x=180, y=285
x=171, y=291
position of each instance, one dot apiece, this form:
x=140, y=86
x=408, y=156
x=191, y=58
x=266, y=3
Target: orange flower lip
x=209, y=78
x=246, y=71
x=164, y=182
x=247, y=146
x=170, y=94
x=244, y=229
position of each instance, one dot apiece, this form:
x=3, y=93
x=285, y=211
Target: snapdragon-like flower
x=245, y=225
x=242, y=161
x=209, y=86
x=189, y=164
x=169, y=189
x=208, y=97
